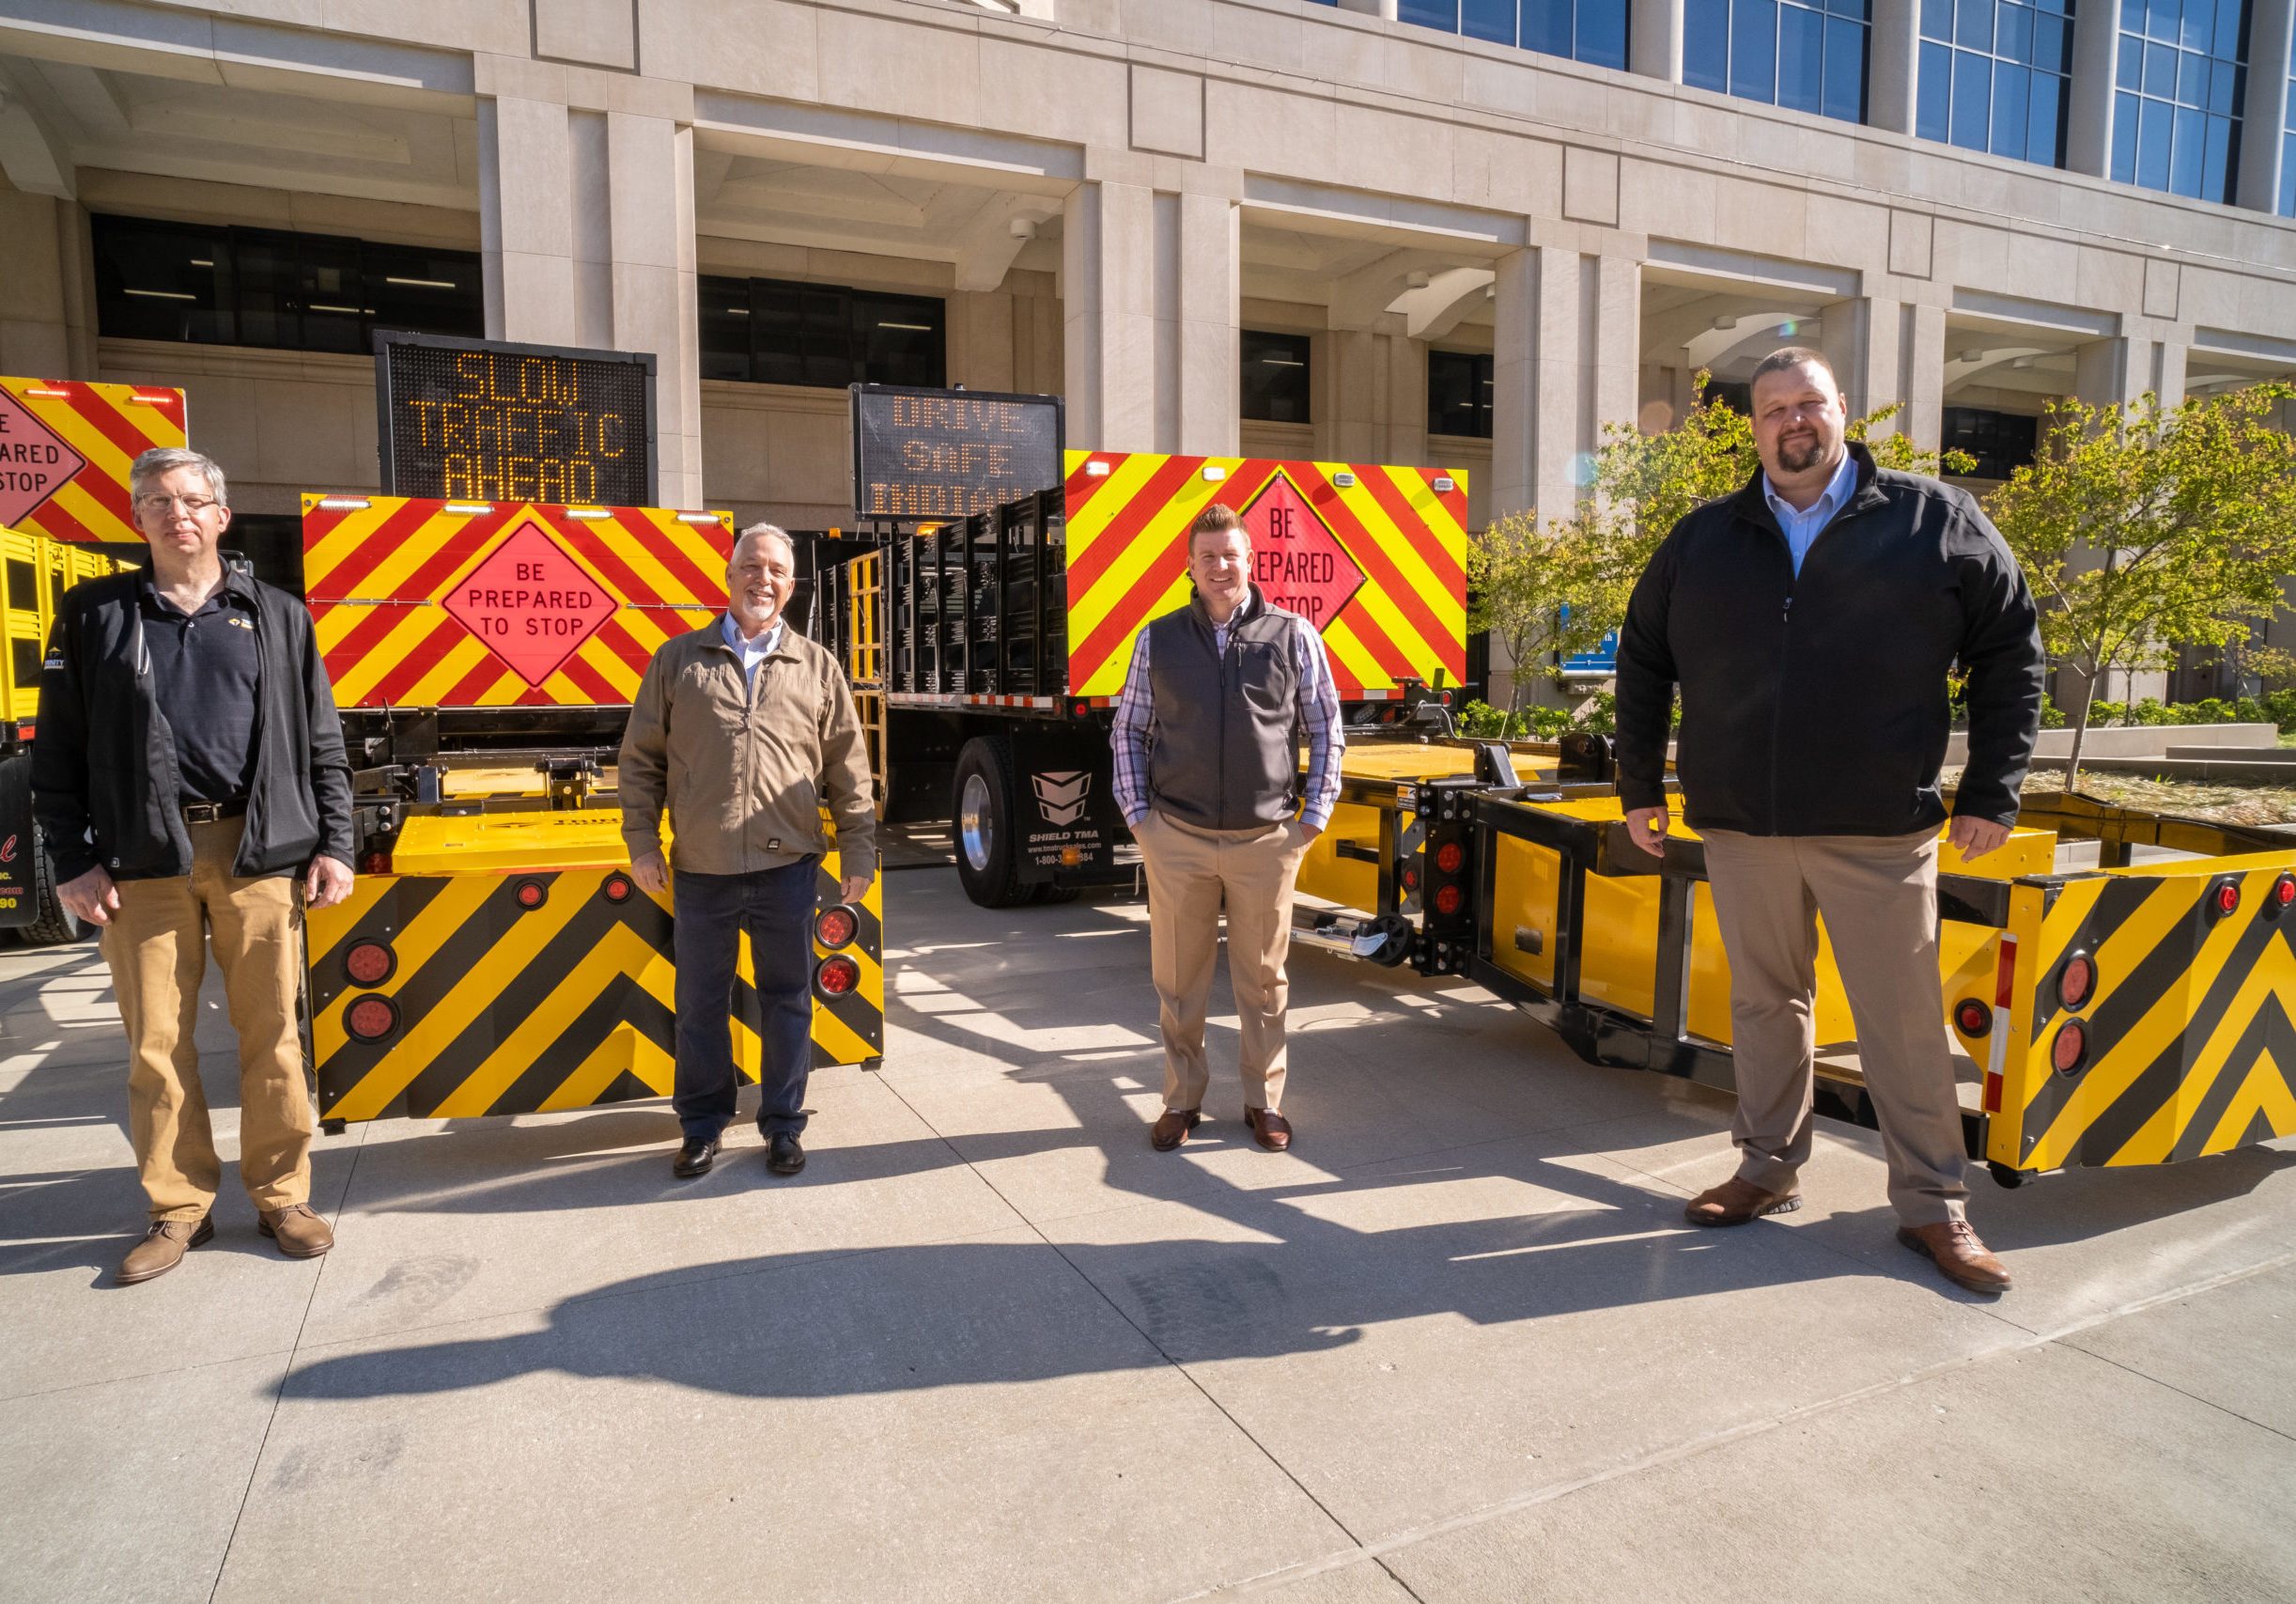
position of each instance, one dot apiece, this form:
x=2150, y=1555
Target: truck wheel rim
x=975, y=829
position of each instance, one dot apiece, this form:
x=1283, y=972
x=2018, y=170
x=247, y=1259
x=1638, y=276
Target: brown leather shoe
x=1953, y=1246
x=1269, y=1128
x=300, y=1233
x=1172, y=1127
x=162, y=1248
x=1735, y=1202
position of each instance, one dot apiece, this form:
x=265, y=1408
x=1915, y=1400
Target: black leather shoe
x=694, y=1159
x=783, y=1155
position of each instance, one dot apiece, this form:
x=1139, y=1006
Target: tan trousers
x=155, y=947
x=1189, y=872
x=1879, y=896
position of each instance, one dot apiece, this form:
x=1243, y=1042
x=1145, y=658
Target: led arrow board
x=487, y=421
x=925, y=456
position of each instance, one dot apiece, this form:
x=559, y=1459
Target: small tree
x=2142, y=528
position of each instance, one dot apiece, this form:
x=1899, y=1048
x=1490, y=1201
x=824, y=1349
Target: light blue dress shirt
x=1801, y=528
x=752, y=653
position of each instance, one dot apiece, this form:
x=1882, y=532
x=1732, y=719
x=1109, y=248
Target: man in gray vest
x=1207, y=772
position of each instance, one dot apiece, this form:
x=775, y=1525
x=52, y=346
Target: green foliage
x=2052, y=716
x=2144, y=528
x=1482, y=721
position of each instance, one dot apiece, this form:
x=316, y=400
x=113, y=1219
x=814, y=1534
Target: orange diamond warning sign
x=1296, y=560
x=35, y=463
x=531, y=602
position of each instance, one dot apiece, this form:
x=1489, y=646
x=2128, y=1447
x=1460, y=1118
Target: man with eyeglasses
x=190, y=781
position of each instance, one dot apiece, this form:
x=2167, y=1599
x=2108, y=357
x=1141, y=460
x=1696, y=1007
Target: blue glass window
x=1993, y=75
x=1592, y=31
x=2287, y=144
x=1808, y=55
x=2181, y=85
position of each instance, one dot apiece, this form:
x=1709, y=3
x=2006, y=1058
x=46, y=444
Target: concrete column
x=1922, y=351
x=1654, y=40
x=1514, y=383
x=34, y=338
x=2271, y=23
x=2114, y=371
x=1149, y=319
x=1845, y=335
x=1563, y=365
x=586, y=226
x=1616, y=346
x=1893, y=65
x=2096, y=53
x=1356, y=394
x=1407, y=400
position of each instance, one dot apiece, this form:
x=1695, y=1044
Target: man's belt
x=212, y=812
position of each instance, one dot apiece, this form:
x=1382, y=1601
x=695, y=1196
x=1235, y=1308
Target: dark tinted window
x=774, y=331
x=1275, y=375
x=1739, y=398
x=2001, y=442
x=266, y=286
x=1459, y=394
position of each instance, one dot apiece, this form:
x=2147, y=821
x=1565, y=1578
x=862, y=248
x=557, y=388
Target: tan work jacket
x=743, y=771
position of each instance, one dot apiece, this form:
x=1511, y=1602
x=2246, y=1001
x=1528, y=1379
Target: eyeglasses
x=192, y=504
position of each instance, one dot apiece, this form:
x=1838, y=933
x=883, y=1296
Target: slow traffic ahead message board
x=486, y=420
x=927, y=456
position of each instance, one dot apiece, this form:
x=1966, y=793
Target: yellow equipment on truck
x=495, y=956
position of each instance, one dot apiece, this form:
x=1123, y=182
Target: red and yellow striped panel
x=380, y=572
x=1128, y=514
x=109, y=426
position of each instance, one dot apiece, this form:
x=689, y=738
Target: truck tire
x=982, y=820
x=52, y=922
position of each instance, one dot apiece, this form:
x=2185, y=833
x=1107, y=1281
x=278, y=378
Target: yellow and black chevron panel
x=2153, y=1016
x=511, y=992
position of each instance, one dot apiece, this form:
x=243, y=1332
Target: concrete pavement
x=1457, y=1347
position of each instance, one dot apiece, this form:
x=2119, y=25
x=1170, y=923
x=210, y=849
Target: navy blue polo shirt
x=205, y=668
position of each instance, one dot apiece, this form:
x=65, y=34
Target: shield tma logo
x=8, y=850
x=1061, y=796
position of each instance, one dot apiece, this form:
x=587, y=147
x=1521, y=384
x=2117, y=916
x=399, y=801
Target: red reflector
x=1993, y=1094
x=1447, y=900
x=2228, y=897
x=375, y=863
x=2004, y=974
x=2070, y=1048
x=835, y=927
x=2076, y=981
x=370, y=1018
x=1972, y=1018
x=1411, y=878
x=2284, y=890
x=1450, y=856
x=837, y=975
x=369, y=963
x=618, y=888
x=531, y=893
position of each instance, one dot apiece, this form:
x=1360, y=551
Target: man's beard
x=1799, y=453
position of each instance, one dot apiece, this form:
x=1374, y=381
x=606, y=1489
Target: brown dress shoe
x=1735, y=1202
x=1269, y=1128
x=1172, y=1127
x=1953, y=1246
x=162, y=1248
x=300, y=1233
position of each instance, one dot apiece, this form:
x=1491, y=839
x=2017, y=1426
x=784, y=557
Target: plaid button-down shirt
x=1319, y=711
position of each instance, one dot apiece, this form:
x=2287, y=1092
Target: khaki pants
x=156, y=944
x=1879, y=896
x=1189, y=871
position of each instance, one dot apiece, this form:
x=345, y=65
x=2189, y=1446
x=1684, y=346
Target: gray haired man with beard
x=1811, y=621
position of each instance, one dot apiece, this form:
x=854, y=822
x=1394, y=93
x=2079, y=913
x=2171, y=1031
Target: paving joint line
x=286, y=1373
x=1693, y=1447
x=1182, y=1370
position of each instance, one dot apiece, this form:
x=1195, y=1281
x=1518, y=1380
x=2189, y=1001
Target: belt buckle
x=202, y=813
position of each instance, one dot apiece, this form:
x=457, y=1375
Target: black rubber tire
x=987, y=864
x=1051, y=894
x=2005, y=1176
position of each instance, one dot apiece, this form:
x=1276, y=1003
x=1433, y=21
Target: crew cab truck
x=996, y=646
x=495, y=956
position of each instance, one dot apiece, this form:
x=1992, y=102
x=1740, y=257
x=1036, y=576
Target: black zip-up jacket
x=1816, y=704
x=105, y=788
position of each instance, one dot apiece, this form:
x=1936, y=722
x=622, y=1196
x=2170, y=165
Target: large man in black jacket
x=1811, y=621
x=189, y=777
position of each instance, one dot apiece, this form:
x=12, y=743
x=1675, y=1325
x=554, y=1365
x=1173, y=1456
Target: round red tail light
x=1411, y=878
x=1972, y=1018
x=2284, y=891
x=370, y=1018
x=1450, y=856
x=835, y=927
x=837, y=975
x=532, y=894
x=2226, y=898
x=2071, y=1048
x=2077, y=981
x=618, y=888
x=369, y=963
x=1447, y=900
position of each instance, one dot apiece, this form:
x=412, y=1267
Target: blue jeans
x=775, y=907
